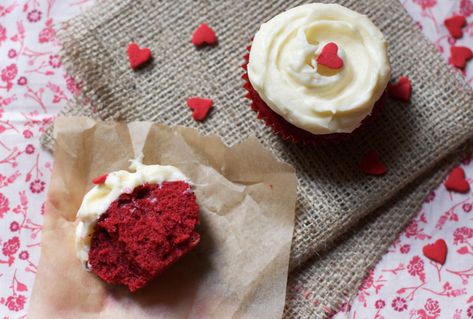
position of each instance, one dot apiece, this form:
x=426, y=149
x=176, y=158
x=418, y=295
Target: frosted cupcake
x=317, y=72
x=134, y=225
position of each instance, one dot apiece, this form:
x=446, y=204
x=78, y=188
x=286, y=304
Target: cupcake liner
x=291, y=132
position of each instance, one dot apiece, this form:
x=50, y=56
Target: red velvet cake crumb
x=143, y=233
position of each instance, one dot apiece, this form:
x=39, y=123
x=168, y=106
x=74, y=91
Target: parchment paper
x=247, y=200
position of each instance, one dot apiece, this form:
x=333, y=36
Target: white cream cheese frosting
x=283, y=67
x=99, y=198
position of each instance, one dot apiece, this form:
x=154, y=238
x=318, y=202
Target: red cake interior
x=143, y=233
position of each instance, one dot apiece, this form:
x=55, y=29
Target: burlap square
x=333, y=195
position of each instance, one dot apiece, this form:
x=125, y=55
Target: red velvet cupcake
x=317, y=73
x=133, y=226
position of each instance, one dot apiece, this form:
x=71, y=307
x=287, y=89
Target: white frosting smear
x=99, y=198
x=284, y=71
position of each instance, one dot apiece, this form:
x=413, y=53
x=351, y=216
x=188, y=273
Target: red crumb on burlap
x=143, y=233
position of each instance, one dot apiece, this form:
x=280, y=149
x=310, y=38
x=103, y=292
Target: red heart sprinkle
x=460, y=55
x=204, y=35
x=436, y=251
x=200, y=107
x=138, y=57
x=329, y=58
x=100, y=179
x=401, y=90
x=454, y=25
x=456, y=181
x=371, y=165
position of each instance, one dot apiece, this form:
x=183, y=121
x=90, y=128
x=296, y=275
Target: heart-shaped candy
x=200, y=107
x=371, y=165
x=329, y=58
x=401, y=90
x=456, y=181
x=204, y=35
x=436, y=251
x=137, y=56
x=454, y=25
x=460, y=55
x=100, y=179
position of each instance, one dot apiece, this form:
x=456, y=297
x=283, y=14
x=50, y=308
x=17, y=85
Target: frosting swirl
x=283, y=67
x=99, y=198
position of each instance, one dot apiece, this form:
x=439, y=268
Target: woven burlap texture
x=333, y=195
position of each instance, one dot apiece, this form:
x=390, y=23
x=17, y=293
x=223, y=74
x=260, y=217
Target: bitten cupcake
x=134, y=225
x=317, y=72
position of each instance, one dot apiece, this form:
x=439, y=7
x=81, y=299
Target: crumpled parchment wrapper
x=247, y=200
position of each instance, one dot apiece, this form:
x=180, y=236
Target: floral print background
x=34, y=87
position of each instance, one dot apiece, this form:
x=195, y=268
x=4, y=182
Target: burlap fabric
x=333, y=195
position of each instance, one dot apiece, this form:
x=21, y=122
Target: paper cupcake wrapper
x=291, y=132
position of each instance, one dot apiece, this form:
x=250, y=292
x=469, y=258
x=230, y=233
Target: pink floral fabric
x=34, y=87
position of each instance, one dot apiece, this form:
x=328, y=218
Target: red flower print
x=72, y=86
x=416, y=267
x=34, y=16
x=430, y=197
x=411, y=230
x=24, y=255
x=469, y=312
x=22, y=81
x=42, y=209
x=47, y=34
x=426, y=3
x=405, y=249
x=466, y=7
x=29, y=149
x=345, y=307
x=368, y=282
x=55, y=61
x=3, y=34
x=37, y=186
x=14, y=226
x=379, y=304
x=462, y=234
x=12, y=53
x=16, y=302
x=9, y=73
x=11, y=246
x=399, y=304
x=27, y=134
x=4, y=205
x=432, y=307
x=467, y=207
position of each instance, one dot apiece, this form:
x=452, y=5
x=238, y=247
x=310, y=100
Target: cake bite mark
x=200, y=107
x=401, y=90
x=457, y=182
x=454, y=25
x=329, y=58
x=459, y=56
x=100, y=180
x=204, y=35
x=137, y=56
x=371, y=164
x=436, y=251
